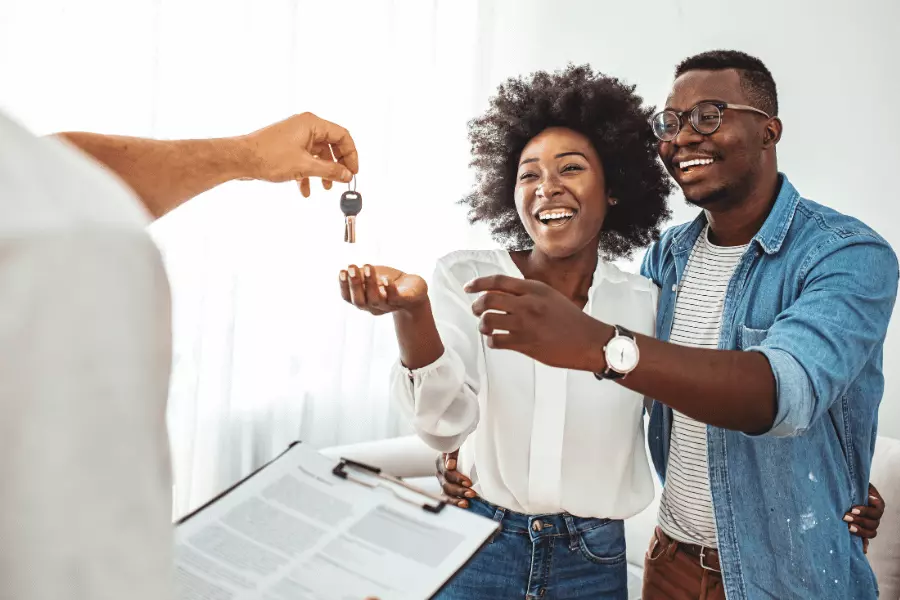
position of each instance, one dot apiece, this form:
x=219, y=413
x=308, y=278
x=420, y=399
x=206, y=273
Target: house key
x=351, y=204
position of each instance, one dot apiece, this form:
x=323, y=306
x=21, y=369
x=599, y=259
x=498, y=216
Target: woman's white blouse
x=533, y=439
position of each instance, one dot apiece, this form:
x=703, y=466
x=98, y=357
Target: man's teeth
x=555, y=213
x=695, y=163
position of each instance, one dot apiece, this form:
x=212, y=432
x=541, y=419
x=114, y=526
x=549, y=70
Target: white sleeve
x=441, y=399
x=85, y=354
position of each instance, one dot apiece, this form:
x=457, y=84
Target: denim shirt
x=814, y=293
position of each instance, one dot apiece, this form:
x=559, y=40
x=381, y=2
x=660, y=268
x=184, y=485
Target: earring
x=613, y=201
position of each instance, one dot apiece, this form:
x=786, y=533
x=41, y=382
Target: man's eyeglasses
x=706, y=118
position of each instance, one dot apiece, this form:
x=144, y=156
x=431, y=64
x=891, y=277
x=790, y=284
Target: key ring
x=353, y=184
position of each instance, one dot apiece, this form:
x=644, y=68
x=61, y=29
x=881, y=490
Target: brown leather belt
x=708, y=557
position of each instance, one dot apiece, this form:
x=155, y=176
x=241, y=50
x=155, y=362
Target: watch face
x=622, y=354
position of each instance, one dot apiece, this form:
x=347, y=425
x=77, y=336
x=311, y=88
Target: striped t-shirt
x=686, y=511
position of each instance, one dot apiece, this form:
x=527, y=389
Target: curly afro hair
x=603, y=109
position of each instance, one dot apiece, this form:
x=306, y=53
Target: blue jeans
x=546, y=557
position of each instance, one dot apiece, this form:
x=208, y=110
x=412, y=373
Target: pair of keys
x=351, y=204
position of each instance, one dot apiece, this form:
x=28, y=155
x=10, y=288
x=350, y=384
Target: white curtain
x=265, y=350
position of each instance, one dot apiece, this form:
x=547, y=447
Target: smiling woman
x=609, y=120
x=567, y=172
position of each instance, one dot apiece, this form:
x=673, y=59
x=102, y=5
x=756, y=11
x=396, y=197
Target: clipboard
x=345, y=466
x=304, y=513
x=343, y=470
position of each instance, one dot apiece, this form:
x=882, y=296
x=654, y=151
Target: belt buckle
x=703, y=564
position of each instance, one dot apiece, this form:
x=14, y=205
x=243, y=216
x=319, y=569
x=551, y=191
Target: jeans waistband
x=546, y=525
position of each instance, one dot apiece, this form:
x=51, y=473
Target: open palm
x=381, y=289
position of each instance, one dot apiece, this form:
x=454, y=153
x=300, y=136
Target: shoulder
x=668, y=237
x=821, y=233
x=47, y=185
x=60, y=211
x=827, y=223
x=613, y=274
x=465, y=265
x=625, y=298
x=660, y=251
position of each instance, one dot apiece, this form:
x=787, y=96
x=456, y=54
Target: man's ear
x=774, y=129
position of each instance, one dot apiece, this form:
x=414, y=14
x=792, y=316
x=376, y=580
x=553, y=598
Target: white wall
x=831, y=60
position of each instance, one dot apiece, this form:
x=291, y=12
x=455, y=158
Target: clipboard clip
x=345, y=466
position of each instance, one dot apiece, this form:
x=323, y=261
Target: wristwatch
x=622, y=355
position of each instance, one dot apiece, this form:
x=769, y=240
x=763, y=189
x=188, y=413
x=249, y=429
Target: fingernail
x=382, y=291
x=384, y=280
x=855, y=511
x=469, y=494
x=367, y=271
x=352, y=272
x=853, y=529
x=848, y=518
x=347, y=174
x=462, y=504
x=343, y=276
x=451, y=464
x=466, y=483
x=873, y=498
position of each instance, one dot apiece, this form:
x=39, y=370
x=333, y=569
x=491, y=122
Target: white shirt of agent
x=85, y=353
x=532, y=438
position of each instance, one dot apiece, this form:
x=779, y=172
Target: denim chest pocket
x=749, y=337
x=604, y=544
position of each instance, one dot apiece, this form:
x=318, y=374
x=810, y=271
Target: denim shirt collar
x=770, y=236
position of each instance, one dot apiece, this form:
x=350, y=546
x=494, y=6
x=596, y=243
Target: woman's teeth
x=555, y=216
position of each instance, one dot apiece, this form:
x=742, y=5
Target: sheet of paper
x=295, y=531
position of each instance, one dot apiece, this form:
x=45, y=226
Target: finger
x=863, y=523
x=303, y=183
x=500, y=283
x=869, y=512
x=501, y=341
x=865, y=545
x=875, y=499
x=495, y=301
x=341, y=142
x=323, y=152
x=390, y=294
x=457, y=492
x=492, y=321
x=866, y=534
x=450, y=460
x=373, y=292
x=345, y=286
x=357, y=291
x=457, y=478
x=326, y=169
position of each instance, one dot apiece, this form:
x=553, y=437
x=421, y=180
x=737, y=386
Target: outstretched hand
x=382, y=290
x=538, y=321
x=301, y=147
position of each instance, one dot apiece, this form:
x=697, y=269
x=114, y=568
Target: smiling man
x=767, y=367
x=806, y=293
